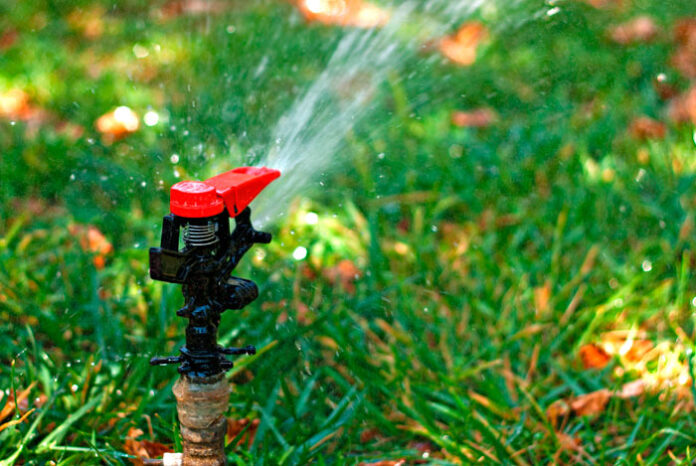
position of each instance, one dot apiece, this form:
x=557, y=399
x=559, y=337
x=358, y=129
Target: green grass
x=441, y=345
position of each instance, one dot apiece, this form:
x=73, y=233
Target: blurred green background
x=449, y=286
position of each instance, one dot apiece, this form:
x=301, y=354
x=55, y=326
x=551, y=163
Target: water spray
x=202, y=261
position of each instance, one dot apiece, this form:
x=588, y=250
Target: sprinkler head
x=203, y=261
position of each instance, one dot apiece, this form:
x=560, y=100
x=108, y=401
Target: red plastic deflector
x=194, y=199
x=240, y=186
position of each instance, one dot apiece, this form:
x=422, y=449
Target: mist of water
x=308, y=137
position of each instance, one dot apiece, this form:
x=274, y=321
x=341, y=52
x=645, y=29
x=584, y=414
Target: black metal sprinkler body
x=203, y=265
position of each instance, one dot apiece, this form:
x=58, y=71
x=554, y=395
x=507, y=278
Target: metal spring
x=200, y=235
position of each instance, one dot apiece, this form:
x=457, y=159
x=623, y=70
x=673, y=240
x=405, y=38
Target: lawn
x=492, y=264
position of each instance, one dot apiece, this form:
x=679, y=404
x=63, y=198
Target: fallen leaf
x=644, y=128
x=89, y=22
x=684, y=57
x=632, y=389
x=143, y=449
x=461, y=46
x=92, y=240
x=8, y=38
x=344, y=273
x=682, y=109
x=590, y=403
x=14, y=104
x=118, y=123
x=477, y=118
x=593, y=356
x=355, y=13
x=637, y=30
x=237, y=426
x=542, y=296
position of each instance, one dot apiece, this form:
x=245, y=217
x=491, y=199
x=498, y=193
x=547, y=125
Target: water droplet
x=151, y=118
x=299, y=253
x=646, y=265
x=174, y=158
x=72, y=177
x=139, y=51
x=553, y=11
x=311, y=218
x=381, y=155
x=73, y=388
x=230, y=29
x=176, y=173
x=433, y=228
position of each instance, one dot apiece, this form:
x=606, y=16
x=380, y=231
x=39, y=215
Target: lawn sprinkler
x=202, y=265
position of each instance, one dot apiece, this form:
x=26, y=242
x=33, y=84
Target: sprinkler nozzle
x=204, y=262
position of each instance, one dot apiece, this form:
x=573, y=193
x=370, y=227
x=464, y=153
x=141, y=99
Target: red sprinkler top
x=234, y=189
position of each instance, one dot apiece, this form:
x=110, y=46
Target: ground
x=510, y=285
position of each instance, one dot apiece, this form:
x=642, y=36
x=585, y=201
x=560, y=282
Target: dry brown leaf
x=93, y=240
x=644, y=128
x=682, y=109
x=637, y=30
x=594, y=357
x=89, y=22
x=117, y=124
x=237, y=426
x=632, y=389
x=590, y=403
x=355, y=13
x=14, y=105
x=461, y=46
x=344, y=273
x=684, y=58
x=477, y=118
x=8, y=38
x=542, y=296
x=143, y=449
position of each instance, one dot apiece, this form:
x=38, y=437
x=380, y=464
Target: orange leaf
x=682, y=109
x=477, y=118
x=461, y=46
x=118, y=123
x=16, y=421
x=237, y=426
x=684, y=58
x=356, y=13
x=143, y=449
x=590, y=403
x=20, y=402
x=14, y=104
x=594, y=357
x=640, y=29
x=345, y=273
x=644, y=128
